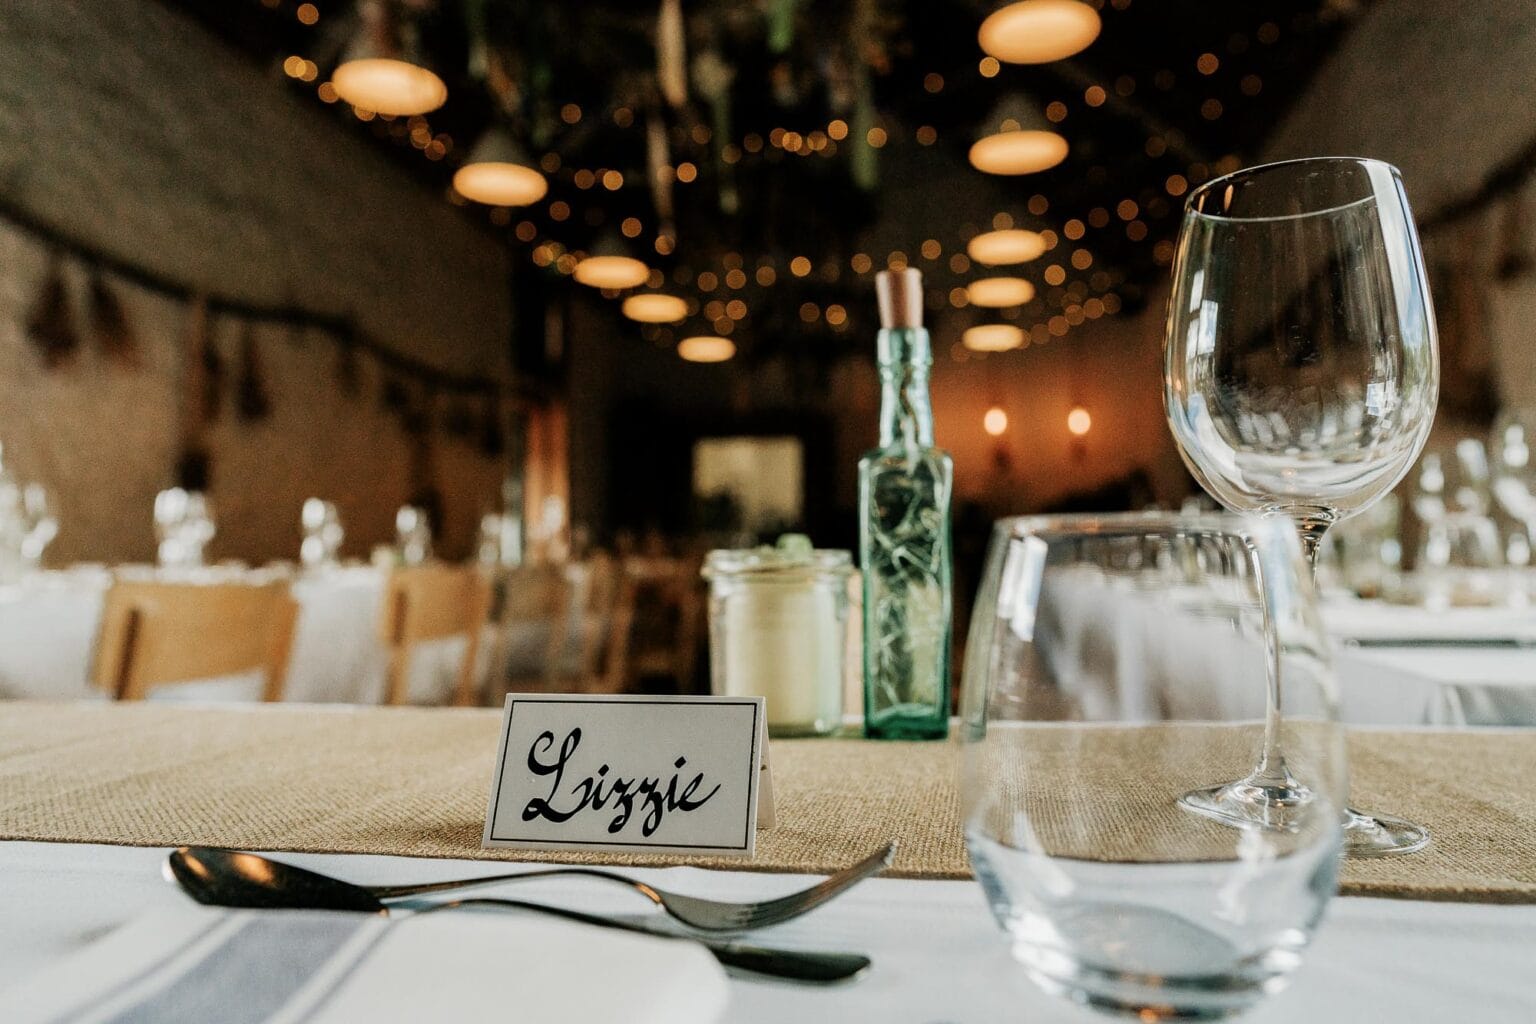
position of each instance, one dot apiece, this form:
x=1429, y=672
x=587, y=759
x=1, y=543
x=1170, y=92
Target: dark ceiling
x=1173, y=91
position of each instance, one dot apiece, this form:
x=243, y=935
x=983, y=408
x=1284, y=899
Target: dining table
x=391, y=796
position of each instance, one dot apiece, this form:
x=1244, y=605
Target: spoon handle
x=821, y=968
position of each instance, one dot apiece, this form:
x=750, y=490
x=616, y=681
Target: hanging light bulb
x=706, y=349
x=609, y=267
x=1018, y=140
x=655, y=308
x=498, y=172
x=1039, y=31
x=378, y=73
x=995, y=421
x=996, y=248
x=1000, y=292
x=992, y=338
x=1078, y=421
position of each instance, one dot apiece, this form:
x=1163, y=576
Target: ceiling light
x=377, y=74
x=992, y=338
x=498, y=173
x=1000, y=292
x=1020, y=152
x=1039, y=31
x=609, y=267
x=706, y=349
x=996, y=248
x=655, y=308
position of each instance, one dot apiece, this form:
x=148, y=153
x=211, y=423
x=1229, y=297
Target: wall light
x=995, y=421
x=1039, y=31
x=1000, y=292
x=706, y=349
x=995, y=248
x=1078, y=421
x=992, y=338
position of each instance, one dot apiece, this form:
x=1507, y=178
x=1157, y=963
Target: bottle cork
x=900, y=295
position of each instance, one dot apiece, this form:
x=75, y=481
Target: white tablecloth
x=938, y=956
x=48, y=626
x=1149, y=654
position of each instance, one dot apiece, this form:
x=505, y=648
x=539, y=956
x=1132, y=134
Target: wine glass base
x=1272, y=803
x=1381, y=835
x=1279, y=804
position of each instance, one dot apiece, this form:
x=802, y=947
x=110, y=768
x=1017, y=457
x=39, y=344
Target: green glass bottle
x=904, y=497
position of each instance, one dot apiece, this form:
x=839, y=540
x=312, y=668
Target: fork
x=696, y=912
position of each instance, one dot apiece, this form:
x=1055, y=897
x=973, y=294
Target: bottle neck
x=905, y=413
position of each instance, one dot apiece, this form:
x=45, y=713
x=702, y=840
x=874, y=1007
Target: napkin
x=197, y=964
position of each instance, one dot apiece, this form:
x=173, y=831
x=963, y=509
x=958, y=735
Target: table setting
x=852, y=733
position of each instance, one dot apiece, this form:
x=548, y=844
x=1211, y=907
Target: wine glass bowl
x=1301, y=374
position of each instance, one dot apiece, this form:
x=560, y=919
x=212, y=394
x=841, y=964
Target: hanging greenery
x=51, y=325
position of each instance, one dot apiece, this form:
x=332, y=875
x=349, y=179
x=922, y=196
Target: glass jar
x=778, y=628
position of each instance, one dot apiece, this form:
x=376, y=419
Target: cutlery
x=1507, y=642
x=229, y=878
x=790, y=964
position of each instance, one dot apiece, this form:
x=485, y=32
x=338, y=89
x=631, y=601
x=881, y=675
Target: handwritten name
x=599, y=791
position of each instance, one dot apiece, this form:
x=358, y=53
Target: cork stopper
x=900, y=294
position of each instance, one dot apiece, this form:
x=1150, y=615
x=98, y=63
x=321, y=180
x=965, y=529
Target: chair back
x=433, y=602
x=156, y=633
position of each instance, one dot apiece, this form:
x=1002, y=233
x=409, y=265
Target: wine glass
x=1121, y=664
x=1301, y=376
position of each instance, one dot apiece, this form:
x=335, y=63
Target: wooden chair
x=664, y=645
x=155, y=633
x=568, y=607
x=433, y=602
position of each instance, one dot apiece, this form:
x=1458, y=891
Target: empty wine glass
x=1123, y=662
x=1301, y=374
x=413, y=533
x=40, y=523
x=323, y=534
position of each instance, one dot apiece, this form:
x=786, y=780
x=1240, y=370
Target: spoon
x=226, y=878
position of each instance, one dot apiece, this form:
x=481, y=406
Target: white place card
x=628, y=774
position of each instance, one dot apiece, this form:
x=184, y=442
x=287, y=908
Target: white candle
x=780, y=631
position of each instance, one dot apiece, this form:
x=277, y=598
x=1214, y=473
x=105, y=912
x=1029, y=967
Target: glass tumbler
x=778, y=628
x=1126, y=662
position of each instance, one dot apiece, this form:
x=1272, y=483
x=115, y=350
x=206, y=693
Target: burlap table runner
x=414, y=783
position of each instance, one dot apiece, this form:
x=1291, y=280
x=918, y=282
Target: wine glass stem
x=1272, y=769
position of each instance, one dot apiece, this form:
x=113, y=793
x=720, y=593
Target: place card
x=630, y=774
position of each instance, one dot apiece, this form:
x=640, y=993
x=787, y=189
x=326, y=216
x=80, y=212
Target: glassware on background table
x=323, y=534
x=183, y=527
x=778, y=628
x=40, y=524
x=1301, y=371
x=413, y=535
x=1127, y=660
